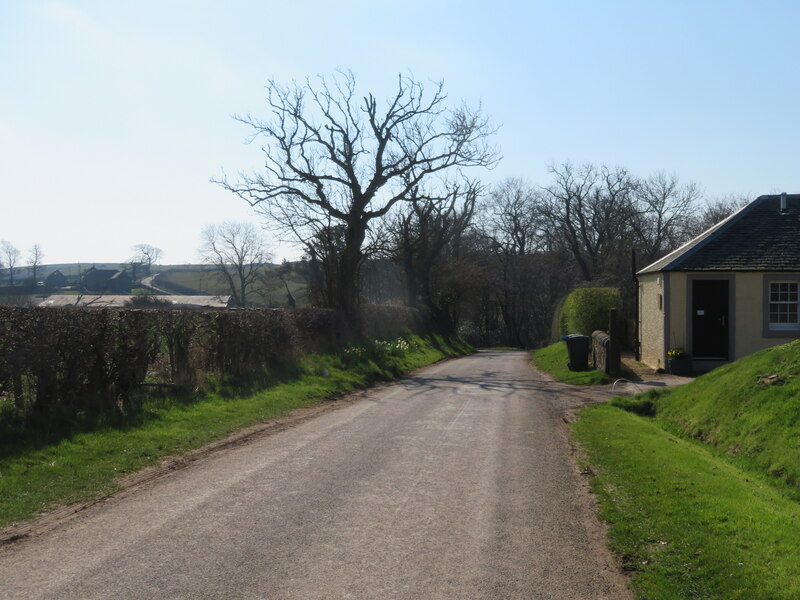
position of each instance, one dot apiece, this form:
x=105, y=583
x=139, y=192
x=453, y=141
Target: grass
x=749, y=409
x=209, y=281
x=58, y=464
x=553, y=360
x=699, y=483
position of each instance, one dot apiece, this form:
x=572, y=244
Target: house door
x=710, y=319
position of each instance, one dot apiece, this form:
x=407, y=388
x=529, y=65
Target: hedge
x=586, y=309
x=71, y=360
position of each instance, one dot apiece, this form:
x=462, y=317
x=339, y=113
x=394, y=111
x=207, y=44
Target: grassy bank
x=699, y=483
x=553, y=359
x=54, y=464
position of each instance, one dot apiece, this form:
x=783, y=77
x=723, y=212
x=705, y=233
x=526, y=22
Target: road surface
x=455, y=483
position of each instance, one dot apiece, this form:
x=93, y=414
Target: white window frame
x=793, y=297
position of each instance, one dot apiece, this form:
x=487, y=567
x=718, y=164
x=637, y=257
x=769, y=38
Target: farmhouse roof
x=108, y=273
x=758, y=237
x=120, y=301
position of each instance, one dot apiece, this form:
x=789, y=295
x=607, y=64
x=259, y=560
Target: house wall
x=750, y=309
x=651, y=319
x=678, y=331
x=660, y=331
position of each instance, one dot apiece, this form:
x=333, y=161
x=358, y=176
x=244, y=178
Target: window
x=784, y=301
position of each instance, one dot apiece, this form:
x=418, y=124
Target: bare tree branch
x=237, y=251
x=333, y=159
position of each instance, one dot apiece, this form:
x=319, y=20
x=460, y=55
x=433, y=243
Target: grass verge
x=553, y=359
x=688, y=523
x=56, y=464
x=699, y=483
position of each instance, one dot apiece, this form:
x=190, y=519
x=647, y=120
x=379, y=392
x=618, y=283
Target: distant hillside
x=749, y=409
x=203, y=280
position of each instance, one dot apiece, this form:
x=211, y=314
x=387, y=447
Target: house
x=123, y=301
x=55, y=280
x=106, y=281
x=731, y=291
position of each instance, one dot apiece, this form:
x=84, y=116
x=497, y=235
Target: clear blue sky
x=114, y=115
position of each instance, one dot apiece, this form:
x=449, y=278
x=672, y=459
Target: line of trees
x=381, y=198
x=10, y=257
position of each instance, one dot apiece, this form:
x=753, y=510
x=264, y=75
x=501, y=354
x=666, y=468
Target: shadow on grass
x=20, y=435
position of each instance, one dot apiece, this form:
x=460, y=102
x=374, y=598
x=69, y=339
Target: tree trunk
x=349, y=266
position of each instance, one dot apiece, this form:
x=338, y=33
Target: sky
x=115, y=115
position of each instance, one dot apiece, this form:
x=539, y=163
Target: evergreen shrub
x=586, y=309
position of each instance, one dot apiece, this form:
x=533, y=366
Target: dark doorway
x=710, y=319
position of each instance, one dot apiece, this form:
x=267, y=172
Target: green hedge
x=72, y=360
x=586, y=309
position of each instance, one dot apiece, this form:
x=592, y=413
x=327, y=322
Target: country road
x=455, y=483
x=148, y=283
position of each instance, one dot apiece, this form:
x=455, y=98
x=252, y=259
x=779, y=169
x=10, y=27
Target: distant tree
x=35, y=257
x=665, y=212
x=716, y=210
x=282, y=274
x=422, y=231
x=589, y=211
x=269, y=282
x=335, y=161
x=237, y=250
x=146, y=256
x=528, y=277
x=10, y=254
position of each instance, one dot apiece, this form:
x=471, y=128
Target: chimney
x=783, y=203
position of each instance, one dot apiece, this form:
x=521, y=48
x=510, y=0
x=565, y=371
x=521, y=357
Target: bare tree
x=334, y=159
x=665, y=213
x=716, y=210
x=10, y=254
x=527, y=276
x=35, y=257
x=146, y=256
x=589, y=210
x=513, y=218
x=420, y=234
x=237, y=250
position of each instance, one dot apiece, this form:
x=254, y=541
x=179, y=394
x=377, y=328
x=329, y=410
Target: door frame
x=731, y=279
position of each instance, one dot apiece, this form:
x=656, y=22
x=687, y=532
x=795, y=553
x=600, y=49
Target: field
x=204, y=280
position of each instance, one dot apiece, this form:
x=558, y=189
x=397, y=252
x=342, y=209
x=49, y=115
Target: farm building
x=106, y=281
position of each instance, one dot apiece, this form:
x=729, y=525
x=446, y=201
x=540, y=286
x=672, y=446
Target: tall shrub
x=586, y=309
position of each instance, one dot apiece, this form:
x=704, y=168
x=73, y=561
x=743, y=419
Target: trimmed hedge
x=586, y=309
x=67, y=360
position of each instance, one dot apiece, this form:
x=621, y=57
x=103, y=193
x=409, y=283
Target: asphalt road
x=456, y=483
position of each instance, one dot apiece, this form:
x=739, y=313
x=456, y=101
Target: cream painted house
x=731, y=291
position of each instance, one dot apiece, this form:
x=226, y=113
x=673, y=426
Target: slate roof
x=758, y=237
x=95, y=272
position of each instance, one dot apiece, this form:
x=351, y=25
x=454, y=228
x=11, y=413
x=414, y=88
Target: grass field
x=202, y=279
x=699, y=483
x=55, y=464
x=553, y=359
